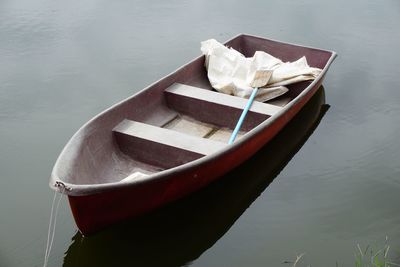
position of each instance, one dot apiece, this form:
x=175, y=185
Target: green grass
x=370, y=258
x=367, y=257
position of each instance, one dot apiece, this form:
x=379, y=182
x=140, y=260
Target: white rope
x=49, y=230
x=52, y=225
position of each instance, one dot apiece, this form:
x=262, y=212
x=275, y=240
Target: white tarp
x=232, y=73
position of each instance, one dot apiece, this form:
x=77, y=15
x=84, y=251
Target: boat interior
x=198, y=123
x=175, y=121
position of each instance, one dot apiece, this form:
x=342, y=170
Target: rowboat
x=171, y=139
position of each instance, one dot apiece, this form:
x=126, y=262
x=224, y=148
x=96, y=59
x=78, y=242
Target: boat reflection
x=180, y=232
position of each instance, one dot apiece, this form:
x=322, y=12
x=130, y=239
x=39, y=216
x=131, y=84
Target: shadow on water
x=180, y=232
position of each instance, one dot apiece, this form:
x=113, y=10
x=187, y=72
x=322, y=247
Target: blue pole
x=244, y=113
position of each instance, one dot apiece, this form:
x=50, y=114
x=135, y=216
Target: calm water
x=329, y=181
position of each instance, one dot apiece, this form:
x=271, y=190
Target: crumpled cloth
x=232, y=73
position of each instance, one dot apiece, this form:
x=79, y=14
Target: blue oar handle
x=241, y=119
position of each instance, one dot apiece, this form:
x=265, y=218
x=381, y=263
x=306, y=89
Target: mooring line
x=52, y=225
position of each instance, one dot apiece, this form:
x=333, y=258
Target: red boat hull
x=94, y=166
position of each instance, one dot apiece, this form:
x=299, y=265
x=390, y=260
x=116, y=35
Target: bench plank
x=216, y=108
x=162, y=147
x=221, y=99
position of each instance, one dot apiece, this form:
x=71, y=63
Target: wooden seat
x=161, y=147
x=184, y=90
x=216, y=108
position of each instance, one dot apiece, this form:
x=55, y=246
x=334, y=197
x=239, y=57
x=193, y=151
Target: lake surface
x=330, y=180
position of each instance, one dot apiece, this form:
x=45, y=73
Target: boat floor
x=188, y=125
